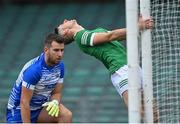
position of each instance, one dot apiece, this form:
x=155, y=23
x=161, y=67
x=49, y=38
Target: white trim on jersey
x=61, y=80
x=29, y=86
x=84, y=38
x=92, y=38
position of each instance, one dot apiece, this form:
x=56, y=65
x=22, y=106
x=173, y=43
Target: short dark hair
x=66, y=40
x=53, y=37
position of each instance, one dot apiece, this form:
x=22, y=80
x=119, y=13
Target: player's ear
x=46, y=49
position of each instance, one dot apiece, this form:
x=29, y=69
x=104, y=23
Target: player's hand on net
x=52, y=108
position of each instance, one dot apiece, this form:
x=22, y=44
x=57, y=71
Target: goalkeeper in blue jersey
x=105, y=46
x=36, y=94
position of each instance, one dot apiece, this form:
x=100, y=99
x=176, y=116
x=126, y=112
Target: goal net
x=166, y=60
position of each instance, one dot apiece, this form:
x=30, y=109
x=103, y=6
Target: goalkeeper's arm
x=53, y=105
x=26, y=96
x=56, y=93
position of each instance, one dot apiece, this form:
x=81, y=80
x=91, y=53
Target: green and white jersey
x=111, y=54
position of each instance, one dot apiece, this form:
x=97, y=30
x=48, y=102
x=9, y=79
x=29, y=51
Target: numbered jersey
x=40, y=78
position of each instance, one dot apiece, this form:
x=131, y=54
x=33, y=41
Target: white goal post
x=134, y=77
x=133, y=61
x=160, y=61
x=147, y=64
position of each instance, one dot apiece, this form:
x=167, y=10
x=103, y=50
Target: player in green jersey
x=105, y=46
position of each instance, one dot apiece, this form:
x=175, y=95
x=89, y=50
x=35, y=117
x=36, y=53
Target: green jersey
x=111, y=54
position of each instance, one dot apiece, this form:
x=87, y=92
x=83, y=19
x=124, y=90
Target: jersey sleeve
x=85, y=37
x=30, y=77
x=61, y=78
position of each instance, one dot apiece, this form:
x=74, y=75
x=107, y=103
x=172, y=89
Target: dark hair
x=56, y=31
x=66, y=40
x=53, y=37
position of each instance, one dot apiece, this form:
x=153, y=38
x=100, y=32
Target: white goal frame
x=134, y=78
x=133, y=61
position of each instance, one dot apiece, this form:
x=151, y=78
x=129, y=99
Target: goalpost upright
x=160, y=53
x=147, y=64
x=133, y=61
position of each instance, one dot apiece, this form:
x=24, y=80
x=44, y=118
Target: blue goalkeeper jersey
x=39, y=77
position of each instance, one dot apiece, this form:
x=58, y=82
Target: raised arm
x=118, y=34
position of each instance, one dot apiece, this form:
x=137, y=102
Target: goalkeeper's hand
x=52, y=108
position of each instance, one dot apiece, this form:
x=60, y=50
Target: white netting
x=166, y=59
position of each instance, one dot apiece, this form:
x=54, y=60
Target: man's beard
x=50, y=61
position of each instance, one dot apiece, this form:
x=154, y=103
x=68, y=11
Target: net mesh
x=166, y=60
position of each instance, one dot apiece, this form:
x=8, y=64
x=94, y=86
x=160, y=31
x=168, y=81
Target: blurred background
x=88, y=91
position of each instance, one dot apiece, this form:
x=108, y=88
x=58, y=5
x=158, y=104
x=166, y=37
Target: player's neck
x=78, y=28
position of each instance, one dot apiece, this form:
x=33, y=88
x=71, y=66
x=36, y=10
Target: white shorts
x=120, y=79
